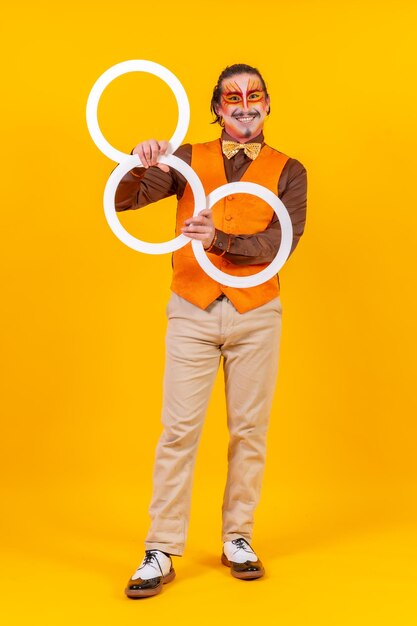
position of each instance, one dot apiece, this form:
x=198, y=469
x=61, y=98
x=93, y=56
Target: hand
x=200, y=227
x=149, y=153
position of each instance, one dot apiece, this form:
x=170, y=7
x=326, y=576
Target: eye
x=232, y=98
x=256, y=95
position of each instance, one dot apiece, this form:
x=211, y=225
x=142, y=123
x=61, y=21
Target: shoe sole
x=146, y=593
x=242, y=575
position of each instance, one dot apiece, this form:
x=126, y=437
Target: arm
x=144, y=185
x=262, y=247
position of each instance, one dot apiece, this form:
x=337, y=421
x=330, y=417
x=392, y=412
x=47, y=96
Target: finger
x=198, y=228
x=198, y=236
x=154, y=148
x=138, y=150
x=163, y=167
x=147, y=152
x=163, y=147
x=193, y=228
x=197, y=219
x=142, y=156
x=206, y=213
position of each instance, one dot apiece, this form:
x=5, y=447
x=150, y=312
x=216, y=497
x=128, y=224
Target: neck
x=242, y=139
x=259, y=138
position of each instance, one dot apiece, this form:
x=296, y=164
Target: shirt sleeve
x=142, y=186
x=262, y=247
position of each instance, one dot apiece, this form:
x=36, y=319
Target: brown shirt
x=142, y=186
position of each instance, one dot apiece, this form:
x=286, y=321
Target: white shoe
x=242, y=560
x=239, y=551
x=154, y=564
x=155, y=570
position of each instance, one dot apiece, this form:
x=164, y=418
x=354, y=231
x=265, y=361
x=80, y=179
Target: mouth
x=245, y=119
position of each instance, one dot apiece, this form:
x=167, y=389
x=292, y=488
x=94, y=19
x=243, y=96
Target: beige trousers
x=196, y=340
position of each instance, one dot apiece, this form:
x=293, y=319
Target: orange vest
x=236, y=214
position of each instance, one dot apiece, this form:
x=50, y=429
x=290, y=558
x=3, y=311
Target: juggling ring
x=127, y=162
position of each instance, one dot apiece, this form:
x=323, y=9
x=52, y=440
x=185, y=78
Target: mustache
x=243, y=114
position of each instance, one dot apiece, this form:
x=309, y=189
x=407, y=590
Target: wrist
x=229, y=243
x=213, y=241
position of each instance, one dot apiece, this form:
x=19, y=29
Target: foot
x=242, y=560
x=155, y=570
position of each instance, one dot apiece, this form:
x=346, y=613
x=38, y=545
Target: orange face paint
x=232, y=93
x=243, y=106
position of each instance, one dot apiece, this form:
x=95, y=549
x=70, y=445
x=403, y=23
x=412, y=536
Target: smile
x=245, y=120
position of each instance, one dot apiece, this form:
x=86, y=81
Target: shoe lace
x=240, y=544
x=151, y=558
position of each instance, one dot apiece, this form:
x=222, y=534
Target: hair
x=232, y=70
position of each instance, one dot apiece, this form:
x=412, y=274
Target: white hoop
x=286, y=237
x=127, y=162
x=136, y=66
x=111, y=215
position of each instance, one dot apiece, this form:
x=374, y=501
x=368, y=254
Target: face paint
x=243, y=107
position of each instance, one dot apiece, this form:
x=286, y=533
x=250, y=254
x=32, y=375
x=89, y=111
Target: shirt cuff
x=222, y=243
x=137, y=172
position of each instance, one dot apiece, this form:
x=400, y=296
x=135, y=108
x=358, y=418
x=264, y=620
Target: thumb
x=163, y=167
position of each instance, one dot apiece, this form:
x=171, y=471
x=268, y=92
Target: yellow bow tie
x=230, y=148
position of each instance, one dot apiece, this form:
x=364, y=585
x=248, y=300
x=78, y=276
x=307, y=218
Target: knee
x=178, y=435
x=245, y=427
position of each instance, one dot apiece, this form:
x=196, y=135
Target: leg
x=250, y=364
x=192, y=361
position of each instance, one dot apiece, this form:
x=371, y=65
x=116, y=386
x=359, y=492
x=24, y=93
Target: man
x=208, y=321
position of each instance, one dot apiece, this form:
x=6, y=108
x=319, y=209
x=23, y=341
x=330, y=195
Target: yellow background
x=83, y=316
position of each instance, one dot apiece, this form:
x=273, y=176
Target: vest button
x=228, y=217
x=230, y=197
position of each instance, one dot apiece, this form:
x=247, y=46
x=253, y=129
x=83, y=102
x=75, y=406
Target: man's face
x=243, y=106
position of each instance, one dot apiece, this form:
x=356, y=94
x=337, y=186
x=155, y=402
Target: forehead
x=241, y=82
